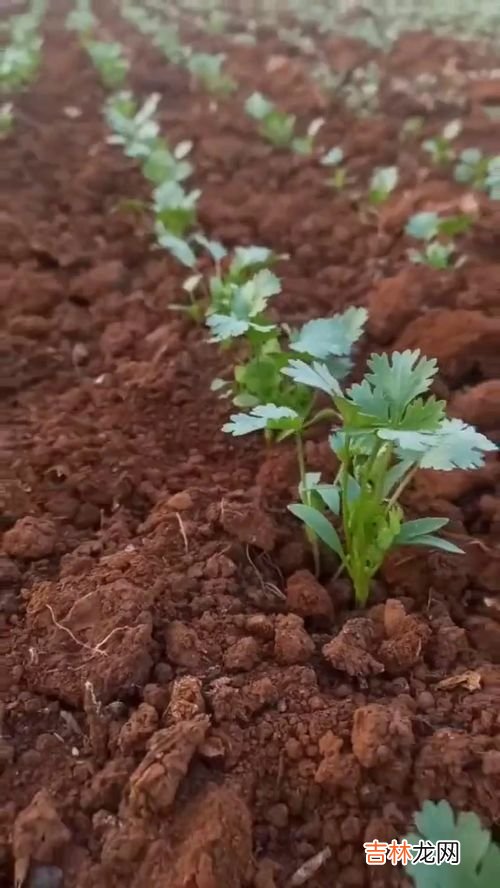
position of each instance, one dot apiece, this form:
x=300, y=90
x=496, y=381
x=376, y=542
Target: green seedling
x=333, y=159
x=6, y=119
x=164, y=164
x=479, y=855
x=109, y=60
x=438, y=233
x=278, y=127
x=440, y=148
x=20, y=59
x=207, y=69
x=382, y=184
x=134, y=128
x=166, y=39
x=389, y=427
x=281, y=385
x=175, y=214
x=482, y=172
x=141, y=19
x=82, y=20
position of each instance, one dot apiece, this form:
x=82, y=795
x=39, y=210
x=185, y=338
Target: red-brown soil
x=182, y=703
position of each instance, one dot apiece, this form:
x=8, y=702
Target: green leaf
x=333, y=157
x=264, y=416
x=423, y=226
x=320, y=526
x=316, y=376
x=214, y=248
x=479, y=865
x=471, y=156
x=324, y=337
x=226, y=327
x=435, y=542
x=178, y=247
x=455, y=446
x=383, y=181
x=252, y=297
x=411, y=530
x=248, y=257
x=383, y=396
x=258, y=107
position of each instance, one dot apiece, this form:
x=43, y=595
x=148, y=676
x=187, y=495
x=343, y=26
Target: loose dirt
x=183, y=704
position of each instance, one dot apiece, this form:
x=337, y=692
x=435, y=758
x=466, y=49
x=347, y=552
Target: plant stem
x=313, y=540
x=401, y=486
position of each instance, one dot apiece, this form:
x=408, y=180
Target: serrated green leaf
x=456, y=446
x=320, y=526
x=226, y=327
x=251, y=298
x=324, y=337
x=316, y=376
x=479, y=865
x=263, y=416
x=246, y=258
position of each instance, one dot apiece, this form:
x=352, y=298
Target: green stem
x=311, y=536
x=401, y=486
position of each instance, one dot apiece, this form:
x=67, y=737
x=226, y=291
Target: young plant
x=390, y=427
x=440, y=148
x=438, y=233
x=333, y=159
x=81, y=19
x=479, y=858
x=482, y=172
x=19, y=60
x=278, y=127
x=166, y=39
x=6, y=119
x=134, y=128
x=163, y=164
x=382, y=184
x=207, y=69
x=175, y=214
x=281, y=387
x=109, y=60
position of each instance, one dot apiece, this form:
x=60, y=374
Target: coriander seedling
x=440, y=148
x=208, y=70
x=382, y=184
x=482, y=172
x=134, y=128
x=280, y=387
x=390, y=427
x=278, y=127
x=109, y=60
x=175, y=213
x=438, y=233
x=333, y=160
x=163, y=164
